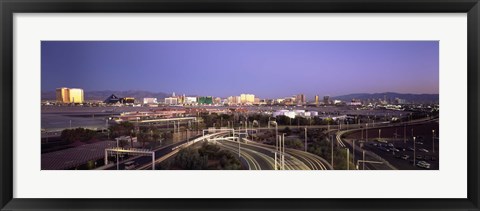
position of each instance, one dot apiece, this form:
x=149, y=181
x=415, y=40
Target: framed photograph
x=252, y=105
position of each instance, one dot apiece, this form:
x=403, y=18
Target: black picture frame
x=9, y=7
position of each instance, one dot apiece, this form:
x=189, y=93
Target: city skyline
x=268, y=69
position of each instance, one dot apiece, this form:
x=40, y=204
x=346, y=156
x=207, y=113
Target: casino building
x=69, y=95
x=112, y=99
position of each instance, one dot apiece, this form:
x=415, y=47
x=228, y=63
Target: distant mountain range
x=102, y=95
x=417, y=98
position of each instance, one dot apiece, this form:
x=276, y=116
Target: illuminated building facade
x=218, y=100
x=150, y=100
x=69, y=95
x=171, y=101
x=300, y=99
x=127, y=100
x=234, y=100
x=62, y=95
x=205, y=100
x=190, y=100
x=247, y=98
x=76, y=95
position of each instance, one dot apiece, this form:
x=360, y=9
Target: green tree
x=190, y=159
x=121, y=129
x=287, y=131
x=294, y=143
x=143, y=137
x=77, y=134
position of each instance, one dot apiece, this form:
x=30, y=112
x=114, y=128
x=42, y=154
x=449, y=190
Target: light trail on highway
x=263, y=156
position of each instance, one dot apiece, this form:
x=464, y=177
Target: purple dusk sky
x=268, y=69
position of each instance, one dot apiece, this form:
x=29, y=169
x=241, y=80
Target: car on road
x=130, y=165
x=410, y=149
x=390, y=145
x=405, y=157
x=423, y=150
x=423, y=164
x=419, y=143
x=394, y=149
x=384, y=149
x=381, y=141
x=419, y=157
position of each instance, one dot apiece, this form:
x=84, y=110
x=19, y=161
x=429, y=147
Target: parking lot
x=398, y=150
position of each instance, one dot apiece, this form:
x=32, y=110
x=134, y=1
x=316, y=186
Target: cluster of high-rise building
x=188, y=100
x=242, y=99
x=298, y=99
x=66, y=95
x=69, y=95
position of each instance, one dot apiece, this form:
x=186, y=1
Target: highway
x=261, y=156
x=145, y=162
x=311, y=161
x=170, y=151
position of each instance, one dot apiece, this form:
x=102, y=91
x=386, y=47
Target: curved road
x=261, y=156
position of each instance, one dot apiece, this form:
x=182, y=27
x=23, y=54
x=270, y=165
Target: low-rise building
x=171, y=101
x=150, y=100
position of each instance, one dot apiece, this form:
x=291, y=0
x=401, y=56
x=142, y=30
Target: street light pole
x=305, y=139
x=348, y=161
x=118, y=165
x=412, y=133
x=379, y=131
x=414, y=150
x=361, y=138
x=276, y=129
x=246, y=127
x=275, y=160
x=117, y=153
x=108, y=133
x=239, y=146
x=353, y=153
x=331, y=140
x=433, y=141
x=366, y=133
x=363, y=163
x=283, y=151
